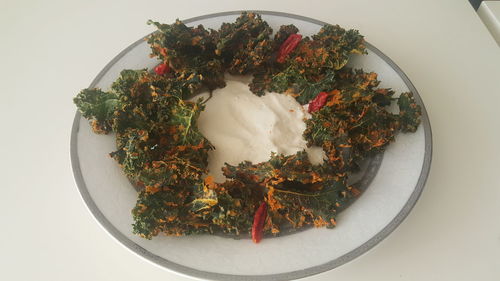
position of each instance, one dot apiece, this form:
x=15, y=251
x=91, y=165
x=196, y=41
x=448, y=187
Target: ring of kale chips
x=160, y=148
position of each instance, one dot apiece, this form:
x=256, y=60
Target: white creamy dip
x=243, y=126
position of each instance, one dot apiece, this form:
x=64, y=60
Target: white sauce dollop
x=243, y=126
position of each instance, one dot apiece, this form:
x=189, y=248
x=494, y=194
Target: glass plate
x=393, y=190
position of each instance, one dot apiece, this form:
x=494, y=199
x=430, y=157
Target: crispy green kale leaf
x=297, y=192
x=310, y=68
x=283, y=33
x=354, y=123
x=263, y=75
x=245, y=44
x=330, y=49
x=99, y=106
x=203, y=208
x=318, y=208
x=158, y=211
x=188, y=50
x=157, y=128
x=292, y=81
x=338, y=45
x=409, y=112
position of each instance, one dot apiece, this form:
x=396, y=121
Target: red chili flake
x=258, y=222
x=318, y=102
x=162, y=68
x=288, y=46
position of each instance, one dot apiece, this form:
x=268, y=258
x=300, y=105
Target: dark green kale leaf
x=311, y=68
x=261, y=81
x=99, y=106
x=232, y=215
x=330, y=48
x=291, y=80
x=180, y=39
x=146, y=98
x=227, y=206
x=188, y=50
x=354, y=122
x=283, y=33
x=339, y=44
x=297, y=192
x=169, y=152
x=189, y=209
x=328, y=129
x=245, y=44
x=163, y=210
x=409, y=112
x=263, y=75
x=294, y=167
x=130, y=155
x=124, y=84
x=318, y=208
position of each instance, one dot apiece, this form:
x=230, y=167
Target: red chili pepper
x=288, y=46
x=318, y=102
x=258, y=222
x=162, y=68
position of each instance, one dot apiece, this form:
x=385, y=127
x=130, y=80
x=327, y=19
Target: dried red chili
x=258, y=222
x=288, y=46
x=318, y=102
x=162, y=68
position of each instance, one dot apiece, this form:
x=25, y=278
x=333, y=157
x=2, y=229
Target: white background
x=49, y=50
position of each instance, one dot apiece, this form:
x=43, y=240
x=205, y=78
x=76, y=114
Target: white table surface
x=51, y=49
